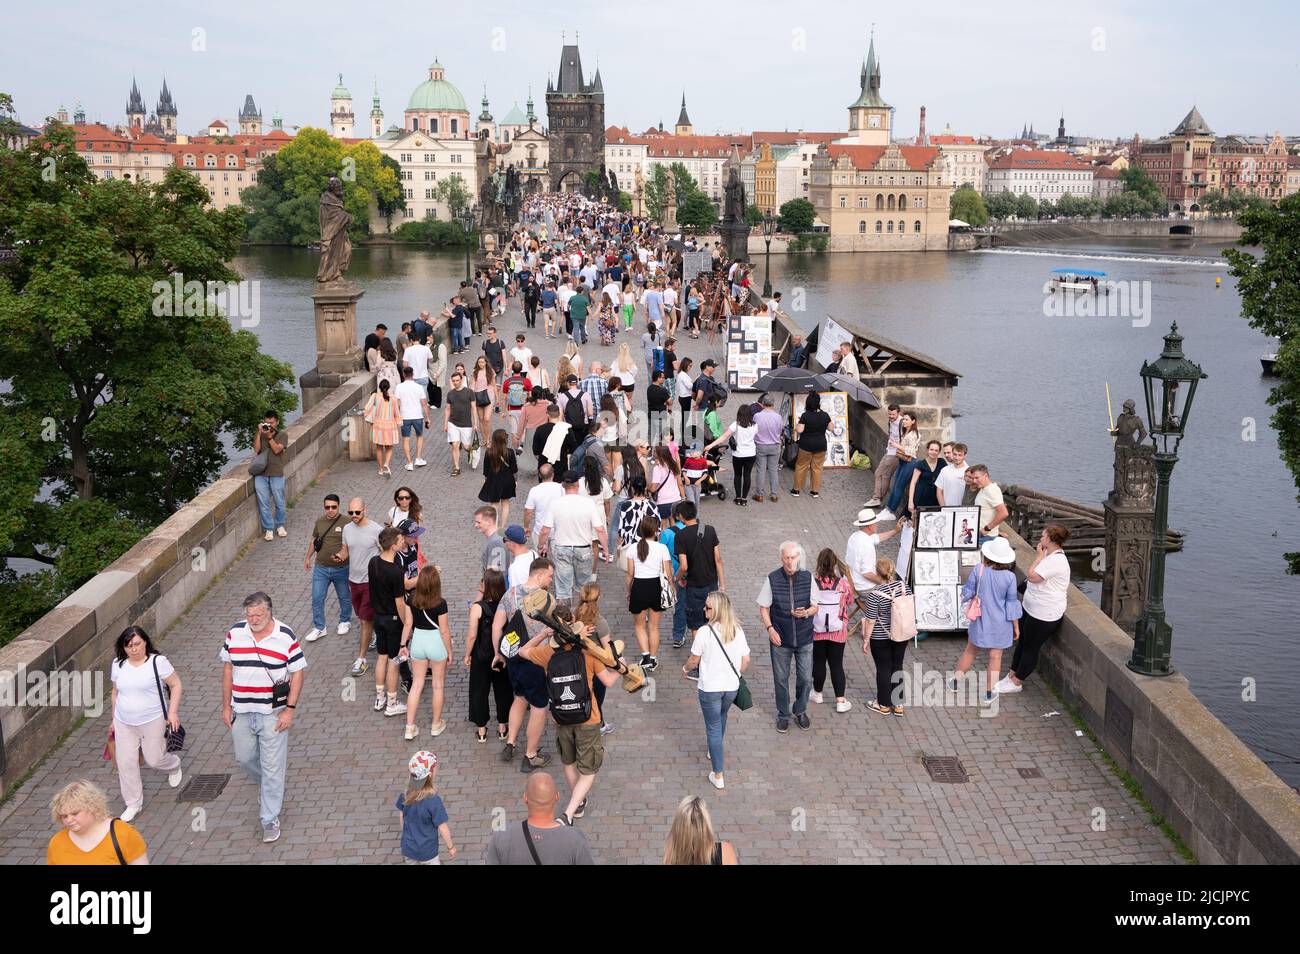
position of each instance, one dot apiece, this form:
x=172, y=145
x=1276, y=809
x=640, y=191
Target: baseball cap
x=422, y=764
x=708, y=363
x=409, y=528
x=515, y=534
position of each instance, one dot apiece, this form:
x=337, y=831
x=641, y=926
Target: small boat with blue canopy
x=1077, y=280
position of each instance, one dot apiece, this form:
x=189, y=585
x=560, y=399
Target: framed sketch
x=936, y=607
x=735, y=337
x=949, y=570
x=735, y=327
x=934, y=530
x=970, y=558
x=925, y=568
x=748, y=347
x=962, y=621
x=733, y=379
x=965, y=527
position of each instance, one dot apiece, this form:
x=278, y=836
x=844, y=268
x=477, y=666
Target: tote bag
x=902, y=617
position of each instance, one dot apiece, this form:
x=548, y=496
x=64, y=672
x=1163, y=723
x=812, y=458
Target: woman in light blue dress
x=998, y=625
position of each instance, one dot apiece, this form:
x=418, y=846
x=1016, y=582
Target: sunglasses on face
x=331, y=506
x=355, y=513
x=403, y=496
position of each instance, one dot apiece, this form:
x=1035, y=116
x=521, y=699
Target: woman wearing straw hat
x=998, y=624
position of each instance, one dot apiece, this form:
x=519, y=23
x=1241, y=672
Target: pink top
x=668, y=493
x=480, y=381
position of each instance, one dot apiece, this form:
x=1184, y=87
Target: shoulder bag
x=117, y=848
x=902, y=616
x=528, y=840
x=973, y=608
x=744, y=700
x=257, y=466
x=175, y=739
x=667, y=592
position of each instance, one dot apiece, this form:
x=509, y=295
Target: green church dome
x=437, y=94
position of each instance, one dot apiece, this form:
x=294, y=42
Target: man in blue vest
x=787, y=604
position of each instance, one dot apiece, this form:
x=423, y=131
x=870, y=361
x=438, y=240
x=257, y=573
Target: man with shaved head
x=540, y=839
x=360, y=543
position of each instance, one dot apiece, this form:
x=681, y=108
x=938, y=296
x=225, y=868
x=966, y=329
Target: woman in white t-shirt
x=746, y=452
x=648, y=564
x=719, y=655
x=685, y=390
x=142, y=680
x=1044, y=602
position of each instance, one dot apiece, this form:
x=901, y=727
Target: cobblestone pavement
x=852, y=789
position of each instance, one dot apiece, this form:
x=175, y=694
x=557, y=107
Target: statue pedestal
x=1130, y=529
x=670, y=220
x=735, y=239
x=338, y=355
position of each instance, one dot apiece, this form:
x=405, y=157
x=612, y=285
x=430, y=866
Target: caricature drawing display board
x=942, y=555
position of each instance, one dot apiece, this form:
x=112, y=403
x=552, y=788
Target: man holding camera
x=269, y=484
x=258, y=704
x=572, y=701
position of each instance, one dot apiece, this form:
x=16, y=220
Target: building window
x=415, y=122
x=844, y=201
x=189, y=161
x=433, y=124
x=902, y=201
x=889, y=203
x=210, y=162
x=880, y=203
x=917, y=226
x=902, y=226
x=428, y=157
x=428, y=193
x=918, y=202
x=231, y=162
x=408, y=213
x=862, y=228
x=454, y=130
x=891, y=228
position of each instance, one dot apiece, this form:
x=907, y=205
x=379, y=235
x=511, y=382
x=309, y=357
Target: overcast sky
x=1116, y=68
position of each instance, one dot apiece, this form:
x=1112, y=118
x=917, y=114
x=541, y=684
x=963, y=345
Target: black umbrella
x=793, y=381
x=854, y=389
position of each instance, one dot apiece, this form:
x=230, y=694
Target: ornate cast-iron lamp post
x=769, y=229
x=468, y=216
x=1170, y=384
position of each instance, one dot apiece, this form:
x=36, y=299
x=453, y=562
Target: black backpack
x=574, y=413
x=568, y=687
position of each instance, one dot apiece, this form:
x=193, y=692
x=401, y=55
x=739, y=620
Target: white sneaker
x=421, y=462
x=268, y=535
x=717, y=782
x=817, y=697
x=411, y=731
x=873, y=502
x=1005, y=685
x=343, y=628
x=130, y=812
x=281, y=532
x=314, y=635
x=395, y=709
x=843, y=705
x=174, y=778
x=886, y=515
x=410, y=467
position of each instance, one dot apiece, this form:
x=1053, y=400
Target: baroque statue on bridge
x=336, y=247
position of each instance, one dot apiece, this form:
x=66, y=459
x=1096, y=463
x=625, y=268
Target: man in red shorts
x=360, y=543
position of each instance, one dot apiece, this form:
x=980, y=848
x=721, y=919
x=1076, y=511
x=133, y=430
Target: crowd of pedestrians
x=604, y=479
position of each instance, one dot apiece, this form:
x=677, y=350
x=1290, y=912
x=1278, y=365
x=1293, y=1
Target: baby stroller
x=710, y=486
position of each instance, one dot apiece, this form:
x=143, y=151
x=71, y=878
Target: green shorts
x=581, y=744
x=427, y=644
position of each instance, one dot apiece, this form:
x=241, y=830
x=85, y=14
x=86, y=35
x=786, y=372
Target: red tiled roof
x=1039, y=159
x=788, y=138
x=866, y=157
x=1105, y=172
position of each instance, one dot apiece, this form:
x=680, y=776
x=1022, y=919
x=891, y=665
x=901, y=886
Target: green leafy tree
x=1001, y=205
x=1026, y=206
x=625, y=201
x=753, y=216
x=1139, y=182
x=685, y=187
x=968, y=205
x=118, y=395
x=284, y=207
x=391, y=205
x=438, y=232
x=452, y=192
x=1269, y=285
x=697, y=212
x=797, y=216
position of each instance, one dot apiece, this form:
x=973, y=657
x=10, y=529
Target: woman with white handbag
x=648, y=565
x=889, y=624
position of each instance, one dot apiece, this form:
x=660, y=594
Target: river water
x=1032, y=405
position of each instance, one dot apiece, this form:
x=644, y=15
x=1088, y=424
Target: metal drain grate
x=1030, y=772
x=945, y=768
x=203, y=788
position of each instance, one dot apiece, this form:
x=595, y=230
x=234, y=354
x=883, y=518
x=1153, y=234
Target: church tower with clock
x=869, y=115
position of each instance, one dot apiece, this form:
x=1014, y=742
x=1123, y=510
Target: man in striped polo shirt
x=260, y=686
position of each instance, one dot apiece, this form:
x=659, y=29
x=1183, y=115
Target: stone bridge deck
x=852, y=789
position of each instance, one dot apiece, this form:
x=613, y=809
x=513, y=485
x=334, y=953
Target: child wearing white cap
x=423, y=815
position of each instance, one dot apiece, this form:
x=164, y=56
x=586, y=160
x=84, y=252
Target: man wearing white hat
x=860, y=553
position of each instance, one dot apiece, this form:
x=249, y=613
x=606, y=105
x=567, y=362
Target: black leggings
x=685, y=404
x=1034, y=633
x=482, y=678
x=888, y=657
x=828, y=651
x=530, y=316
x=744, y=467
